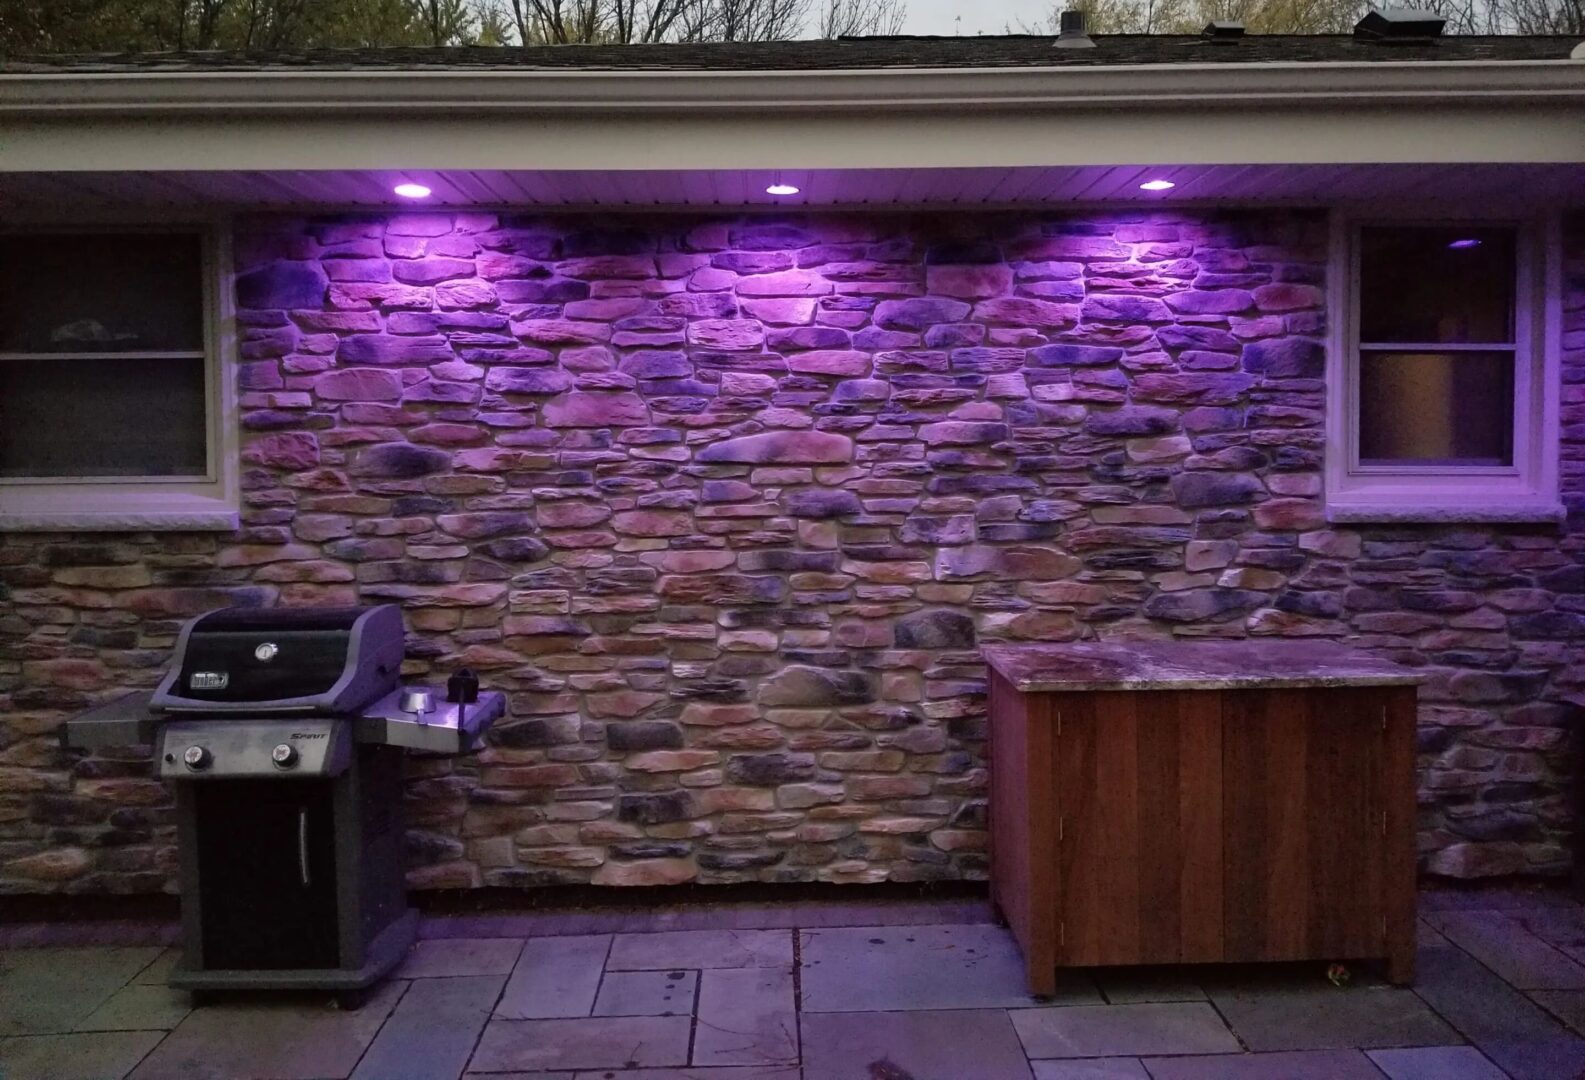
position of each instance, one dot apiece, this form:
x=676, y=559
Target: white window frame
x=1527, y=490
x=152, y=503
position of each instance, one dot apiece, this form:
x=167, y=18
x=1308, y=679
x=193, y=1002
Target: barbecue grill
x=282, y=730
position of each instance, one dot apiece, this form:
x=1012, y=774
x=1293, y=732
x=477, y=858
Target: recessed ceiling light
x=1157, y=185
x=782, y=189
x=412, y=191
x=1464, y=244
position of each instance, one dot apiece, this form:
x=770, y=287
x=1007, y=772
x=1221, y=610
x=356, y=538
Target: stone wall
x=727, y=506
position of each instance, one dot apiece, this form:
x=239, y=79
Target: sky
x=968, y=17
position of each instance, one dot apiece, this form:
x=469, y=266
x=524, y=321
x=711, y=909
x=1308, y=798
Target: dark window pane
x=1436, y=408
x=119, y=417
x=1451, y=285
x=76, y=292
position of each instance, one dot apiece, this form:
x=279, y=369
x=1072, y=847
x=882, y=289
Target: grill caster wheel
x=349, y=1000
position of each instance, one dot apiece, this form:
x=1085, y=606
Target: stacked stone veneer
x=727, y=506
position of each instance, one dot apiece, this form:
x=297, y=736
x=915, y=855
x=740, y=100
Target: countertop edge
x=1066, y=686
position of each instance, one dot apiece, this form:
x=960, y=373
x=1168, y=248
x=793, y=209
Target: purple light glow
x=1157, y=185
x=779, y=188
x=1465, y=244
x=412, y=191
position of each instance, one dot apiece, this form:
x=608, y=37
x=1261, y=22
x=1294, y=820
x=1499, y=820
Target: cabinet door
x=1303, y=811
x=1139, y=805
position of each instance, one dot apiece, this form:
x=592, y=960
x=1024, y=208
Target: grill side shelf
x=449, y=729
x=126, y=721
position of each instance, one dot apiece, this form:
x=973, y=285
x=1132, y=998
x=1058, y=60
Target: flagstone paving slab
x=1137, y=986
x=442, y=957
x=730, y=1072
x=958, y=1044
x=159, y=971
x=647, y=993
x=290, y=1037
x=747, y=1016
x=140, y=1007
x=1436, y=1063
x=1504, y=945
x=51, y=991
x=1507, y=1027
x=1288, y=1065
x=555, y=977
x=602, y=1042
x=432, y=1033
x=100, y=1055
x=886, y=968
x=1567, y=1005
x=1332, y=1018
x=685, y=949
x=1083, y=1031
x=1117, y=1068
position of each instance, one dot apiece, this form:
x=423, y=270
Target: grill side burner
x=282, y=731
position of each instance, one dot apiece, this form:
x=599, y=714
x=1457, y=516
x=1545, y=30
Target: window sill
x=143, y=521
x=1518, y=513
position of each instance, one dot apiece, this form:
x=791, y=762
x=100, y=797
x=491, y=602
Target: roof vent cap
x=1071, y=33
x=1223, y=31
x=1398, y=26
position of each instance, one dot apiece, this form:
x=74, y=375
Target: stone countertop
x=1191, y=665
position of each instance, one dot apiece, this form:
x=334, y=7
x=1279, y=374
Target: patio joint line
x=375, y=1037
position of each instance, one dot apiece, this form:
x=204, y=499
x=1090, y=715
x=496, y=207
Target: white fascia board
x=539, y=91
x=1382, y=112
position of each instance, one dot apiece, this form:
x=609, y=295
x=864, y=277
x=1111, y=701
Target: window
x=1439, y=398
x=108, y=392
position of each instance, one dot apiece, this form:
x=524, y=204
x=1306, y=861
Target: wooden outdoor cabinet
x=1165, y=803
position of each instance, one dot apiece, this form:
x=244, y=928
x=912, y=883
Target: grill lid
x=277, y=660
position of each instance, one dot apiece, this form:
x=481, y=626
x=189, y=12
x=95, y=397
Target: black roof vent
x=1400, y=26
x=1223, y=31
x=1071, y=33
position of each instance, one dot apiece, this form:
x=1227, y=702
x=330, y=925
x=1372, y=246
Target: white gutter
x=542, y=92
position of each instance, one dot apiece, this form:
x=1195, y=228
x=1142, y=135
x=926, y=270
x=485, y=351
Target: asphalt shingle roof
x=839, y=54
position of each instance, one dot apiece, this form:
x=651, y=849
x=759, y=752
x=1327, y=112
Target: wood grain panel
x=1346, y=740
x=1139, y=797
x=1023, y=827
x=1265, y=736
x=1399, y=784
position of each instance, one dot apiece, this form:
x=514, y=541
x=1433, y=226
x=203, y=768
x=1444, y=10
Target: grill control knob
x=196, y=757
x=284, y=756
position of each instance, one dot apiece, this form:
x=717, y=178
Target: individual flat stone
x=958, y=1044
x=881, y=968
x=296, y=1038
x=1505, y=1025
x=431, y=1034
x=1304, y=1065
x=555, y=977
x=1329, y=1018
x=1117, y=1068
x=647, y=993
x=1123, y=1030
x=1436, y=1063
x=691, y=949
x=50, y=991
x=461, y=956
x=140, y=1007
x=602, y=1042
x=1501, y=943
x=1199, y=665
x=100, y=1055
x=746, y=1016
